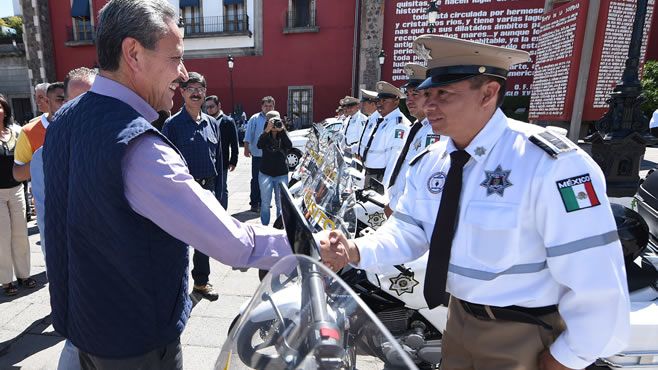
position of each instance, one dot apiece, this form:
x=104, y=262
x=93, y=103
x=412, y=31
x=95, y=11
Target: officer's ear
x=490, y=90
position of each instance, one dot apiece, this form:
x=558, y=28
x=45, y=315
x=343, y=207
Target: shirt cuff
x=366, y=254
x=564, y=355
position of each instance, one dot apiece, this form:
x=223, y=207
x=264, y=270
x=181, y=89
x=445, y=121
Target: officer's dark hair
x=478, y=81
x=194, y=77
x=268, y=99
x=82, y=73
x=214, y=98
x=7, y=110
x=54, y=86
x=143, y=20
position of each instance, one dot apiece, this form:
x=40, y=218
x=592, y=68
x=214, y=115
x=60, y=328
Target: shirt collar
x=113, y=89
x=204, y=117
x=486, y=139
x=393, y=114
x=44, y=120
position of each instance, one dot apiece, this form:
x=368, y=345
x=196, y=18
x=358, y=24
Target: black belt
x=207, y=183
x=527, y=315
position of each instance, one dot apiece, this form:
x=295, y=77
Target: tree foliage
x=13, y=22
x=650, y=87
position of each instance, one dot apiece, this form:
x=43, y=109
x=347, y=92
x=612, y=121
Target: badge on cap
x=436, y=182
x=496, y=181
x=578, y=193
x=423, y=52
x=403, y=284
x=408, y=71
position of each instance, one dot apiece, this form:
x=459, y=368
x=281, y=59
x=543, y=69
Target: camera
x=277, y=123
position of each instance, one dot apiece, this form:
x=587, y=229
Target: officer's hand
x=388, y=211
x=231, y=167
x=247, y=152
x=548, y=362
x=336, y=250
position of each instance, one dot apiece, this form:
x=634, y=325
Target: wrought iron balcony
x=300, y=21
x=209, y=26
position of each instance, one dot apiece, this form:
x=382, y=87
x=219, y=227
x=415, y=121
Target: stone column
x=372, y=32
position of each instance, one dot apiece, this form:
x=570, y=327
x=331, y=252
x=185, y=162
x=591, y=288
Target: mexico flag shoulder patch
x=399, y=133
x=578, y=193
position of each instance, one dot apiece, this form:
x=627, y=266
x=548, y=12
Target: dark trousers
x=201, y=262
x=254, y=198
x=169, y=357
x=221, y=191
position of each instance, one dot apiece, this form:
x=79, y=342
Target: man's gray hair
x=41, y=88
x=143, y=20
x=79, y=74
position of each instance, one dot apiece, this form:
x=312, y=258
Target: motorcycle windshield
x=303, y=316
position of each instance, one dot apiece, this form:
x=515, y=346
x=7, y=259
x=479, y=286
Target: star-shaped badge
x=417, y=144
x=376, y=219
x=496, y=181
x=403, y=284
x=409, y=72
x=480, y=151
x=423, y=52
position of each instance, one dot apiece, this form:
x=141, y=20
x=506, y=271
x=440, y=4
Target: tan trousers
x=472, y=343
x=14, y=246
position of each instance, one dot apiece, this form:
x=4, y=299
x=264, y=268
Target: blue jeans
x=267, y=185
x=254, y=198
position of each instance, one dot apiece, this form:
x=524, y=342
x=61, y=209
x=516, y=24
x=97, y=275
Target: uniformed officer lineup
x=522, y=242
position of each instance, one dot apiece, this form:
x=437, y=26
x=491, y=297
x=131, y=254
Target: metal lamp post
x=231, y=63
x=382, y=58
x=432, y=15
x=622, y=133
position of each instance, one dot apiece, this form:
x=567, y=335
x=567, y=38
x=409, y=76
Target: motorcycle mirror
x=377, y=186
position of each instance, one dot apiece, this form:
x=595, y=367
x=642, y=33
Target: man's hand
x=231, y=167
x=247, y=152
x=548, y=362
x=336, y=251
x=388, y=211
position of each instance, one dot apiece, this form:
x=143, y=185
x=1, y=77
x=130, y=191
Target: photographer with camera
x=275, y=144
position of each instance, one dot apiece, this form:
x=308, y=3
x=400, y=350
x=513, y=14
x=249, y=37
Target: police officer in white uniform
x=368, y=103
x=354, y=123
x=387, y=135
x=420, y=135
x=517, y=223
x=653, y=123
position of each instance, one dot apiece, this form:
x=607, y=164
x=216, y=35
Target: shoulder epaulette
x=399, y=119
x=418, y=156
x=552, y=144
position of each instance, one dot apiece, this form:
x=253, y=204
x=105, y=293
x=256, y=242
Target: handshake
x=336, y=250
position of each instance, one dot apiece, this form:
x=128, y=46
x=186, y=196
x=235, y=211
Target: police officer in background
x=368, y=102
x=520, y=233
x=420, y=135
x=386, y=133
x=354, y=122
x=369, y=108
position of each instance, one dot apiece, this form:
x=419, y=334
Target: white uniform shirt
x=353, y=127
x=360, y=146
x=423, y=138
x=387, y=142
x=533, y=231
x=654, y=119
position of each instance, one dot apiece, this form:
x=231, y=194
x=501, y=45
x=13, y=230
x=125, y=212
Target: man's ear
x=131, y=51
x=490, y=92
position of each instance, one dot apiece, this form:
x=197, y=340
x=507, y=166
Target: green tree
x=13, y=22
x=650, y=87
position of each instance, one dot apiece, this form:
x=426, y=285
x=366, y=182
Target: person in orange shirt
x=33, y=134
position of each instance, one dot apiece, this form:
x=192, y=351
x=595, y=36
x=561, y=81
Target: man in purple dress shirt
x=143, y=72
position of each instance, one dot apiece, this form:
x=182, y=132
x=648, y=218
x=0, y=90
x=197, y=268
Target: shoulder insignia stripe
x=552, y=144
x=419, y=156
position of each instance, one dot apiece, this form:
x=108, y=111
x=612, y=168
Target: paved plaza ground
x=28, y=340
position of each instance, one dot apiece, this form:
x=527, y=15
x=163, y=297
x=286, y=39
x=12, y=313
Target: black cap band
x=472, y=70
x=386, y=95
x=413, y=83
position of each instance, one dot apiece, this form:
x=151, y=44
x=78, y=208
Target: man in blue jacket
x=123, y=207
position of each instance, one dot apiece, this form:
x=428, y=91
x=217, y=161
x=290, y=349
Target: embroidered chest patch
x=578, y=193
x=496, y=181
x=436, y=182
x=431, y=139
x=399, y=133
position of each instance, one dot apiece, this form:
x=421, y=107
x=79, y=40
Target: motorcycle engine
x=412, y=335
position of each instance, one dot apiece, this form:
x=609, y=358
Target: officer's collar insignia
x=376, y=219
x=423, y=52
x=480, y=151
x=445, y=154
x=436, y=182
x=403, y=284
x=496, y=181
x=417, y=144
